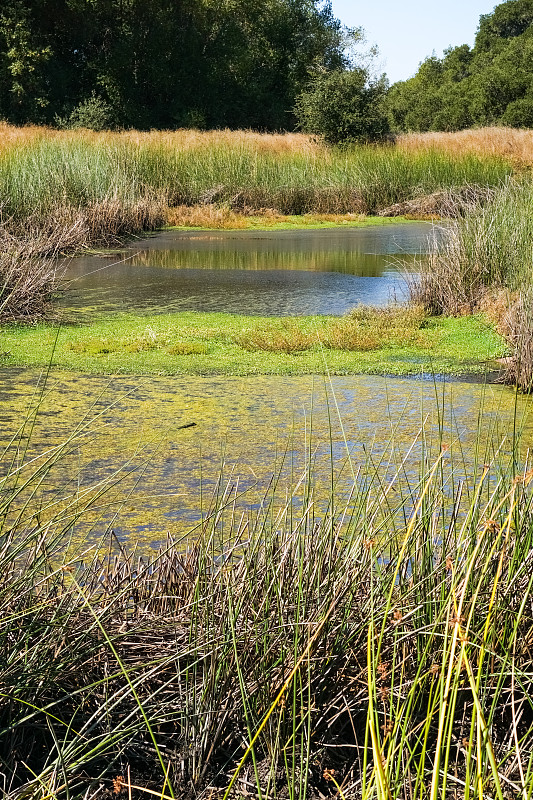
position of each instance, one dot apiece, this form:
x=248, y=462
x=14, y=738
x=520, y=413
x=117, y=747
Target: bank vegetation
x=62, y=191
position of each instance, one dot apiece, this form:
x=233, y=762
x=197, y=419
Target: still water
x=324, y=271
x=245, y=431
x=183, y=439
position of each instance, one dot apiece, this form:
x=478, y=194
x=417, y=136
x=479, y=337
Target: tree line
x=269, y=65
x=488, y=84
x=163, y=63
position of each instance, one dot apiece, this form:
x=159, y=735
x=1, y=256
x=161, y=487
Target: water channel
x=246, y=429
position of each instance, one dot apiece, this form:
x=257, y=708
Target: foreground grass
x=389, y=341
x=372, y=646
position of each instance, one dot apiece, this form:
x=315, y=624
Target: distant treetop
x=490, y=84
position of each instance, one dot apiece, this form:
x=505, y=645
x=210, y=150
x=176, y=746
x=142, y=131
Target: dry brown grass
x=182, y=139
x=29, y=272
x=438, y=205
x=209, y=215
x=515, y=144
x=67, y=228
x=27, y=286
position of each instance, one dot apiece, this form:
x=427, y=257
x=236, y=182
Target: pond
x=299, y=272
x=183, y=439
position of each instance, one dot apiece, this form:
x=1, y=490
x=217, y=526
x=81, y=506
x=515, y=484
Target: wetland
x=266, y=513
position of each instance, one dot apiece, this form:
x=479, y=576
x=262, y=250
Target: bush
x=344, y=106
x=93, y=113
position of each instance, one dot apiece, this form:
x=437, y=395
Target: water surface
x=325, y=271
x=247, y=430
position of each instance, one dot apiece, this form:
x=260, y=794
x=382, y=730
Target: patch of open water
x=325, y=271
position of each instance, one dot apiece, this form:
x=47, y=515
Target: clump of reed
x=30, y=275
x=518, y=322
x=27, y=286
x=485, y=259
x=487, y=248
x=373, y=646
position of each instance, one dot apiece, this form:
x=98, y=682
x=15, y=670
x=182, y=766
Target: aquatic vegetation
x=396, y=341
x=380, y=639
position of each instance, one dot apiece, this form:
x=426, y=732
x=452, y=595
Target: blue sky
x=406, y=31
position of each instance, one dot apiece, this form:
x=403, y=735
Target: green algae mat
x=395, y=342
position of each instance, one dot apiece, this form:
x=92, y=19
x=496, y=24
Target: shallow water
x=247, y=429
x=243, y=432
x=325, y=271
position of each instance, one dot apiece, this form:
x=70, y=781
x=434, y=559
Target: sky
x=407, y=31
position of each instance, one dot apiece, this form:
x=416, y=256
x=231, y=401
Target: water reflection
x=251, y=272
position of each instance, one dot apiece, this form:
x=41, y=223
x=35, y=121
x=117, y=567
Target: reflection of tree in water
x=346, y=262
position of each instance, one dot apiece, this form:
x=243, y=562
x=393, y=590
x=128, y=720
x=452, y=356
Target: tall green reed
x=486, y=248
x=40, y=175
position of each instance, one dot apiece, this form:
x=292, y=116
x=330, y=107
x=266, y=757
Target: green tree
x=344, y=106
x=163, y=63
x=490, y=84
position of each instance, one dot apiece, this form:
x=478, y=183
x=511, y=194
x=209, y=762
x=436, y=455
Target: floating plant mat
x=251, y=272
x=183, y=440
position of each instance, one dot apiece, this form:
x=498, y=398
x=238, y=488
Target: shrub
x=93, y=113
x=344, y=106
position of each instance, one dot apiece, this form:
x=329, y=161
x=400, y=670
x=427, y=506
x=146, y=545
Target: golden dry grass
x=209, y=215
x=515, y=144
x=512, y=143
x=182, y=139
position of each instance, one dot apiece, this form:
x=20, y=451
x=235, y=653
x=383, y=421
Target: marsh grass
x=241, y=170
x=485, y=262
x=487, y=248
x=514, y=144
x=375, y=644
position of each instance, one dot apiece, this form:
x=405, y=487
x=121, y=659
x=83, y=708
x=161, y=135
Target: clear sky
x=406, y=31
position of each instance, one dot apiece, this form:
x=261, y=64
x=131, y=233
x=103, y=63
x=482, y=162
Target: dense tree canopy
x=269, y=65
x=163, y=63
x=491, y=83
